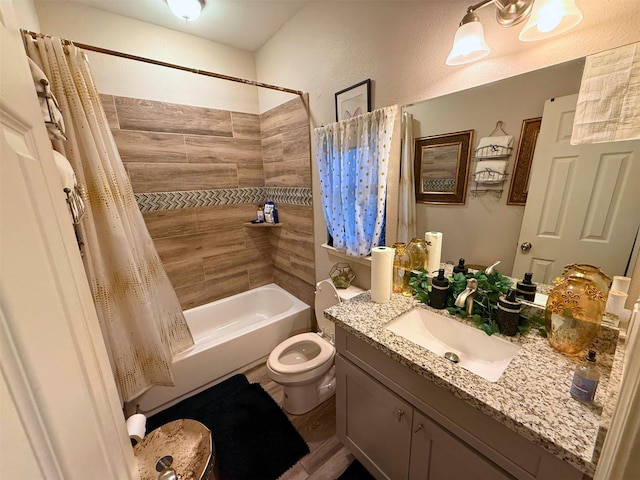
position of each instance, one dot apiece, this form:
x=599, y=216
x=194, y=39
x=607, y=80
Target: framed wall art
x=353, y=101
x=524, y=158
x=442, y=167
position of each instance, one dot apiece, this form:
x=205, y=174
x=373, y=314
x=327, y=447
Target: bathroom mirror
x=486, y=228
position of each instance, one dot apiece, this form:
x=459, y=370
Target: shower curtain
x=353, y=163
x=406, y=192
x=140, y=315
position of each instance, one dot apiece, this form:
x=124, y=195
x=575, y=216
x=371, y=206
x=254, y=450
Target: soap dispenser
x=508, y=313
x=460, y=268
x=439, y=290
x=585, y=379
x=526, y=288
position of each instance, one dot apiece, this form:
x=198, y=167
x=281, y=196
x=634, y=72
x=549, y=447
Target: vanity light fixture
x=547, y=18
x=550, y=18
x=187, y=10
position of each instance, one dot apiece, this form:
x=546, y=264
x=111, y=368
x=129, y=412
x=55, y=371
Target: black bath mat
x=253, y=437
x=355, y=471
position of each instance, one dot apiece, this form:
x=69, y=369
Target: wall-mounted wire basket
x=492, y=151
x=489, y=176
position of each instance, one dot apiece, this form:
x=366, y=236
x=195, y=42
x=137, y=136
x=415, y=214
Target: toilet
x=303, y=364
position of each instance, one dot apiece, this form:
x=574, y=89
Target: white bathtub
x=230, y=335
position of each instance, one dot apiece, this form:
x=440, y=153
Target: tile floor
x=328, y=458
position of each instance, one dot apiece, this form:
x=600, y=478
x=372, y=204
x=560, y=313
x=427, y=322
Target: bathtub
x=231, y=334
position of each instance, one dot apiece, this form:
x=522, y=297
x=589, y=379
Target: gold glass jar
x=573, y=314
x=417, y=249
x=601, y=280
x=401, y=270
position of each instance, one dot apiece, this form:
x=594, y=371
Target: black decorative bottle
x=508, y=313
x=526, y=288
x=439, y=289
x=460, y=268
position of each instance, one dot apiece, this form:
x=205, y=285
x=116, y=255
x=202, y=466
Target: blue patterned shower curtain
x=353, y=163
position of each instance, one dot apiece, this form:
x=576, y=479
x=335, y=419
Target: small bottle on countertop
x=508, y=316
x=439, y=289
x=260, y=214
x=585, y=379
x=460, y=268
x=526, y=288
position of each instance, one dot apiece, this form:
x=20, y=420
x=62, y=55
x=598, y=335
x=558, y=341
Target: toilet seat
x=325, y=354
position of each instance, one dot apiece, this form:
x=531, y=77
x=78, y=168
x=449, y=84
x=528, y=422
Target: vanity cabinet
x=401, y=425
x=398, y=440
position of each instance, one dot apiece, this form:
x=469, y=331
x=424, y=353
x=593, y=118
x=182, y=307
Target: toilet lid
x=326, y=296
x=326, y=353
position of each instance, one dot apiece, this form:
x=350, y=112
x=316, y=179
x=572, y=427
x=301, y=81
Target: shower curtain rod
x=206, y=73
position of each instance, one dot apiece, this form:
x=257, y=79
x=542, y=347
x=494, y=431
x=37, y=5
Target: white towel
x=494, y=146
x=48, y=103
x=490, y=171
x=65, y=170
x=69, y=181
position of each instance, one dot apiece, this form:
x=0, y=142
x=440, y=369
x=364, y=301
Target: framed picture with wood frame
x=442, y=167
x=354, y=100
x=524, y=158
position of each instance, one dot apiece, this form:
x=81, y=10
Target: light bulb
x=187, y=10
x=550, y=18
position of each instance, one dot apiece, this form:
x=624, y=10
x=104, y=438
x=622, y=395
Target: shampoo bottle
x=585, y=379
x=439, y=289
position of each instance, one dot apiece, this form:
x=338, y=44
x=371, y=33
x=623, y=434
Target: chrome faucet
x=466, y=296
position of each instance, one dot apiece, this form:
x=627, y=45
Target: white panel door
x=583, y=204
x=61, y=417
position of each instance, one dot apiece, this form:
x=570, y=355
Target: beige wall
x=402, y=47
x=128, y=78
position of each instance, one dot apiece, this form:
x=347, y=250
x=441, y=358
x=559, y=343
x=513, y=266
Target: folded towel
x=65, y=170
x=48, y=103
x=494, y=146
x=490, y=171
x=70, y=185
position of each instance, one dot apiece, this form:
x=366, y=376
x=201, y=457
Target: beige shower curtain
x=140, y=316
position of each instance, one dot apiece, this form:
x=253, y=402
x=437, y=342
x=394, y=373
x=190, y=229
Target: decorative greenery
x=419, y=283
x=485, y=303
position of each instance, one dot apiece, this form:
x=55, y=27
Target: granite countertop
x=531, y=397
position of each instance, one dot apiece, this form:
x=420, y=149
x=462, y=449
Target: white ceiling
x=246, y=25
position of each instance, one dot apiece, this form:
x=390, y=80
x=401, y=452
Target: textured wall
x=285, y=147
x=198, y=176
x=128, y=78
x=402, y=47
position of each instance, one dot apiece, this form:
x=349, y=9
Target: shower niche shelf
x=262, y=225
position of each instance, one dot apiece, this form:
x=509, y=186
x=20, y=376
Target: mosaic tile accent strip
x=155, y=201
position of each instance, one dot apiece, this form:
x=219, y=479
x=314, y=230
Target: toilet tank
x=327, y=295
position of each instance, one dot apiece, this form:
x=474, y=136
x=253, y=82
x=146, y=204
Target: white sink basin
x=479, y=353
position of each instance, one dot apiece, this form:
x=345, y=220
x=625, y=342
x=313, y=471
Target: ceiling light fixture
x=547, y=18
x=187, y=10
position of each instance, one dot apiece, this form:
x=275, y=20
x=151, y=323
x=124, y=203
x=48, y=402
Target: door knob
x=526, y=246
x=418, y=428
x=399, y=414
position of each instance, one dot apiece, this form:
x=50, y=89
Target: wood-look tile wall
x=207, y=252
x=287, y=163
